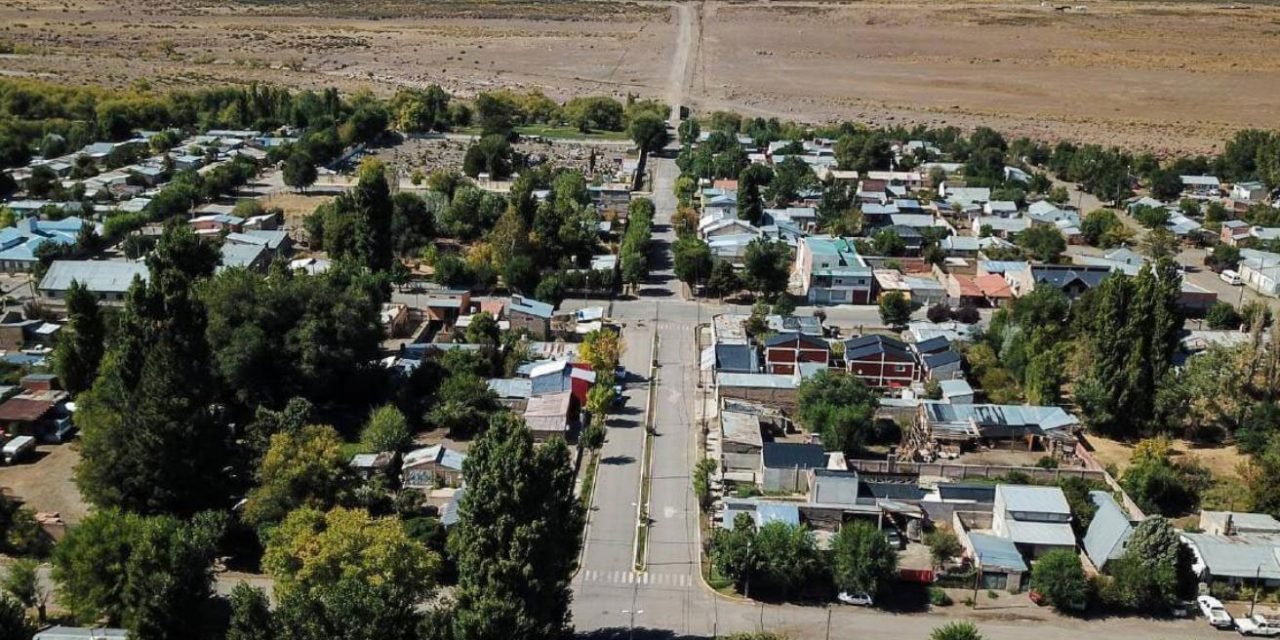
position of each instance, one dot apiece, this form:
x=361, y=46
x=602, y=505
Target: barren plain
x=1166, y=76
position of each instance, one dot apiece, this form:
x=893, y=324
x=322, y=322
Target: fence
x=955, y=471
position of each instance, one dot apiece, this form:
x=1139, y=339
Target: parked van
x=18, y=448
x=1231, y=277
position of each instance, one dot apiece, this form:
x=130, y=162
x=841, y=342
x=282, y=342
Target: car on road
x=1213, y=610
x=856, y=599
x=1257, y=625
x=1231, y=277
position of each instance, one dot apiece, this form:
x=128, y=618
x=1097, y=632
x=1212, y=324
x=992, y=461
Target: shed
x=1108, y=532
x=785, y=465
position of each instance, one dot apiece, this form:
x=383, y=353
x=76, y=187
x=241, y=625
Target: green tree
x=386, y=430
x=943, y=546
x=689, y=131
x=491, y=154
x=22, y=581
x=767, y=265
x=155, y=380
x=1045, y=243
x=787, y=558
x=702, y=482
x=78, y=353
x=1058, y=576
x=463, y=404
x=1160, y=485
x=958, y=630
x=895, y=309
x=649, y=131
x=692, y=259
x=303, y=468
x=300, y=171
x=372, y=209
x=888, y=243
x=1160, y=243
x=1154, y=573
x=145, y=573
x=724, y=280
x=839, y=407
x=518, y=536
x=13, y=620
x=251, y=617
x=1223, y=316
x=862, y=560
x=750, y=202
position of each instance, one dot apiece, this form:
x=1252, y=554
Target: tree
x=895, y=309
x=1103, y=228
x=251, y=617
x=155, y=380
x=702, y=482
x=649, y=131
x=958, y=630
x=787, y=558
x=599, y=399
x=463, y=404
x=839, y=407
x=1058, y=576
x=23, y=583
x=78, y=353
x=1155, y=572
x=1160, y=243
x=1166, y=185
x=768, y=267
x=1043, y=242
x=13, y=620
x=145, y=573
x=940, y=312
x=299, y=171
x=386, y=430
x=1223, y=316
x=692, y=259
x=602, y=349
x=373, y=209
x=862, y=559
x=750, y=202
x=1158, y=484
x=887, y=242
x=347, y=573
x=517, y=538
x=490, y=154
x=300, y=469
x=943, y=546
x=724, y=280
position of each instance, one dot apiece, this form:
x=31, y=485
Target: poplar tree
x=78, y=354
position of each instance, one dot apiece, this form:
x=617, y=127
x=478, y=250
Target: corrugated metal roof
x=996, y=552
x=1108, y=532
x=100, y=276
x=1033, y=499
x=756, y=380
x=1242, y=556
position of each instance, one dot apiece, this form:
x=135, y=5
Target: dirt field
x=1160, y=75
x=46, y=483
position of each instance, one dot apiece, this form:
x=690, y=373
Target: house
x=1252, y=191
x=108, y=279
x=834, y=486
x=444, y=305
x=244, y=256
x=880, y=361
x=1000, y=208
x=956, y=391
x=786, y=465
x=964, y=195
x=736, y=358
x=1201, y=186
x=551, y=415
x=216, y=224
x=1238, y=560
x=1014, y=174
x=784, y=351
x=1071, y=279
x=832, y=272
x=530, y=315
x=38, y=410
x=998, y=559
x=967, y=424
x=807, y=325
x=1260, y=271
x=431, y=467
x=1000, y=226
x=370, y=465
x=742, y=442
x=1109, y=531
x=987, y=290
x=1232, y=523
x=19, y=243
x=773, y=389
x=1036, y=519
x=944, y=365
x=761, y=512
x=275, y=241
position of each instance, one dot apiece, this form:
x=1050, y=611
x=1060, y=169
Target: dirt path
x=681, y=72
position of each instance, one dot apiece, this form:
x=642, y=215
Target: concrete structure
x=832, y=272
x=530, y=315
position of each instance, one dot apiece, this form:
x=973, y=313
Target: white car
x=1257, y=626
x=1231, y=277
x=858, y=599
x=1217, y=615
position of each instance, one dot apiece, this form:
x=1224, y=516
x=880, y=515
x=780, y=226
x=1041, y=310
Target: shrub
x=939, y=598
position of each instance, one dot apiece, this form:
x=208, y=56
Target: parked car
x=18, y=448
x=1231, y=277
x=1213, y=610
x=1257, y=625
x=856, y=599
x=895, y=539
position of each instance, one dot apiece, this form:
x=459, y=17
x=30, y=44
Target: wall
x=956, y=471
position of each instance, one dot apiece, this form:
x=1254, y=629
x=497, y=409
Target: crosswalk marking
x=632, y=577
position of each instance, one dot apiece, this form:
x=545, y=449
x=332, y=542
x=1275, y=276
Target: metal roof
x=1054, y=534
x=100, y=276
x=935, y=360
x=529, y=306
x=1108, y=532
x=996, y=552
x=1033, y=499
x=736, y=358
x=956, y=387
x=834, y=487
x=756, y=380
x=964, y=491
x=511, y=387
x=789, y=455
x=1242, y=556
x=742, y=428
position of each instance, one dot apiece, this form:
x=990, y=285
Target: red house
x=783, y=351
x=881, y=361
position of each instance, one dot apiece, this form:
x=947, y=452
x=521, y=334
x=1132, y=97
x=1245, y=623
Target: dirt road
x=688, y=33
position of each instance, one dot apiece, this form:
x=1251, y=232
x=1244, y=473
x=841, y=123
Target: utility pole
x=1257, y=582
x=828, y=622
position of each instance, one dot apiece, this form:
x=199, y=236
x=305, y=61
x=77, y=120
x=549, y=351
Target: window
x=900, y=368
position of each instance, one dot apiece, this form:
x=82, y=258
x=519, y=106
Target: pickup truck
x=1257, y=625
x=1217, y=615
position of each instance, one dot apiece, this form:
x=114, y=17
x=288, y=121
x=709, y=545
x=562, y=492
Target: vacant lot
x=47, y=482
x=1158, y=75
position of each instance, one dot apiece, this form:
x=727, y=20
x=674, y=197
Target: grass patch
x=589, y=481
x=554, y=133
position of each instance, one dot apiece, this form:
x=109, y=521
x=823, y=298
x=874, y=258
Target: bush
x=1223, y=316
x=939, y=598
x=940, y=312
x=968, y=314
x=1060, y=578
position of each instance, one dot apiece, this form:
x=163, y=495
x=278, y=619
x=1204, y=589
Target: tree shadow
x=636, y=633
x=617, y=460
x=655, y=292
